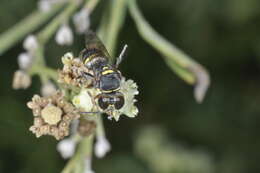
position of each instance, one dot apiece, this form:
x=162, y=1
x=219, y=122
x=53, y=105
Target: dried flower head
x=73, y=71
x=52, y=115
x=21, y=80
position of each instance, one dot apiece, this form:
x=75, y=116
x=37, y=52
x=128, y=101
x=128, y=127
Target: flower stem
x=184, y=66
x=100, y=126
x=84, y=151
x=24, y=27
x=50, y=29
x=118, y=12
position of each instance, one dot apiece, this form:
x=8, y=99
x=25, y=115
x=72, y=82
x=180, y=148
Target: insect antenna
x=121, y=56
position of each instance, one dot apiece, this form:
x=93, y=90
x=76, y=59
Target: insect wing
x=93, y=42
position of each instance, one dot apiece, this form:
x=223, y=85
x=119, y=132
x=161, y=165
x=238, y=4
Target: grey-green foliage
x=165, y=156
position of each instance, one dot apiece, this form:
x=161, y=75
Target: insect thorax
x=109, y=79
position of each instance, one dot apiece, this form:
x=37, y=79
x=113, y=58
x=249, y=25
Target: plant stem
x=100, y=126
x=188, y=69
x=84, y=151
x=91, y=5
x=50, y=29
x=117, y=16
x=24, y=27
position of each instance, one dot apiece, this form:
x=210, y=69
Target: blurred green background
x=220, y=135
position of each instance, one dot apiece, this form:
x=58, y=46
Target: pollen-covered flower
x=21, y=80
x=85, y=100
x=64, y=35
x=52, y=115
x=81, y=21
x=73, y=71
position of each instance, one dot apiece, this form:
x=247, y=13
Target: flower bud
x=30, y=43
x=24, y=60
x=102, y=146
x=21, y=80
x=66, y=148
x=48, y=89
x=81, y=21
x=64, y=35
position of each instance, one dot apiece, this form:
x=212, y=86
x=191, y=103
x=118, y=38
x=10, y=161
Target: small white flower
x=64, y=35
x=48, y=89
x=25, y=60
x=102, y=146
x=44, y=5
x=30, y=43
x=81, y=20
x=66, y=148
x=129, y=89
x=84, y=100
x=87, y=166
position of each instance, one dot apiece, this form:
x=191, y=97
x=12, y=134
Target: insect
x=106, y=77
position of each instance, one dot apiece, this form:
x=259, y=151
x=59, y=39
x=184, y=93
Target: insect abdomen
x=89, y=54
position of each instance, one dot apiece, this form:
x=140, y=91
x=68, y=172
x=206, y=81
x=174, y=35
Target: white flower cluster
x=85, y=100
x=25, y=59
x=81, y=20
x=21, y=79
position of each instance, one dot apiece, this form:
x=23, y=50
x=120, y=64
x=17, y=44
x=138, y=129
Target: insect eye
x=119, y=103
x=103, y=102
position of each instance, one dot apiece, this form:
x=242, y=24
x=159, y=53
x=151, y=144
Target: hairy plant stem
x=84, y=151
x=52, y=27
x=117, y=17
x=44, y=36
x=27, y=25
x=184, y=66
